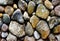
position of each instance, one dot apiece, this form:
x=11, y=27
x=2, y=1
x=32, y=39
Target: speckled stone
x=34, y=20
x=11, y=37
x=17, y=29
x=43, y=29
x=28, y=29
x=1, y=9
x=42, y=11
x=31, y=6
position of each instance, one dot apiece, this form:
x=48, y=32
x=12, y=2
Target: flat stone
x=31, y=6
x=34, y=20
x=28, y=29
x=1, y=9
x=27, y=38
x=17, y=29
x=11, y=37
x=17, y=15
x=43, y=29
x=42, y=11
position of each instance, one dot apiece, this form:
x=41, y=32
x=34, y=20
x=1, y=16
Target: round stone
x=1, y=9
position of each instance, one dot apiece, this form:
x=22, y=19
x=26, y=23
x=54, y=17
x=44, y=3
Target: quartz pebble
x=1, y=9
x=43, y=29
x=36, y=35
x=11, y=37
x=34, y=20
x=42, y=11
x=17, y=29
x=28, y=29
x=31, y=6
x=17, y=15
x=27, y=38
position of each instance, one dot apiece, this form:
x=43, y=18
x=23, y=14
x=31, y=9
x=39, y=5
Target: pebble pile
x=29, y=20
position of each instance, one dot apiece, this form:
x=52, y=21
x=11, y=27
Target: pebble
x=57, y=29
x=36, y=35
x=6, y=18
x=27, y=38
x=15, y=6
x=38, y=1
x=4, y=27
x=9, y=10
x=40, y=40
x=57, y=10
x=43, y=29
x=1, y=9
x=1, y=15
x=48, y=4
x=4, y=34
x=17, y=15
x=28, y=29
x=26, y=16
x=11, y=37
x=42, y=11
x=3, y=40
x=52, y=13
x=22, y=5
x=1, y=23
x=55, y=2
x=31, y=6
x=16, y=28
x=34, y=20
x=10, y=2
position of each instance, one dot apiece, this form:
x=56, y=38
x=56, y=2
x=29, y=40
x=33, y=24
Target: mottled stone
x=17, y=29
x=57, y=29
x=27, y=38
x=11, y=37
x=1, y=15
x=48, y=4
x=15, y=6
x=43, y=29
x=6, y=18
x=9, y=10
x=22, y=5
x=34, y=20
x=42, y=11
x=57, y=10
x=28, y=29
x=36, y=35
x=1, y=9
x=40, y=40
x=17, y=15
x=31, y=6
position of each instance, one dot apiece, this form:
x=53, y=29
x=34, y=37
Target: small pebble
x=1, y=15
x=1, y=9
x=15, y=6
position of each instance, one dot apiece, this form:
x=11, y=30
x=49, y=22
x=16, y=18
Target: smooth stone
x=1, y=9
x=1, y=15
x=43, y=29
x=38, y=1
x=48, y=4
x=36, y=35
x=31, y=6
x=56, y=29
x=11, y=37
x=4, y=27
x=42, y=11
x=40, y=40
x=17, y=29
x=15, y=6
x=3, y=40
x=26, y=16
x=17, y=15
x=1, y=23
x=27, y=38
x=28, y=29
x=58, y=37
x=9, y=10
x=57, y=10
x=4, y=34
x=55, y=2
x=34, y=20
x=6, y=18
x=22, y=5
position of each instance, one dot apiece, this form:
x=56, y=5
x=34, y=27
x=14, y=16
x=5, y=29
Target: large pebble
x=17, y=15
x=43, y=29
x=11, y=37
x=1, y=9
x=22, y=5
x=29, y=30
x=31, y=6
x=34, y=20
x=57, y=10
x=17, y=29
x=36, y=35
x=42, y=11
x=27, y=38
x=6, y=18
